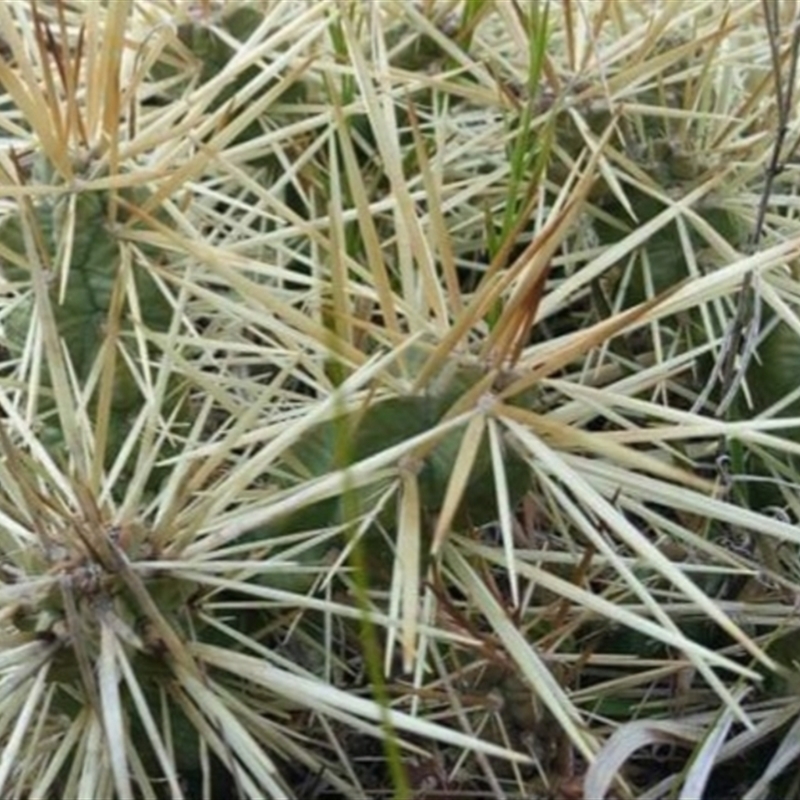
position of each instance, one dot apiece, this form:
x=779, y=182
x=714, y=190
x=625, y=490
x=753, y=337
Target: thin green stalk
x=369, y=638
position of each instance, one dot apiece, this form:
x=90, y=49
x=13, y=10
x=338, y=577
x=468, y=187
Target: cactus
x=81, y=291
x=220, y=225
x=387, y=423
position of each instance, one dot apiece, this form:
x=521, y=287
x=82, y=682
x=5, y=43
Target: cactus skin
x=371, y=430
x=367, y=431
x=82, y=312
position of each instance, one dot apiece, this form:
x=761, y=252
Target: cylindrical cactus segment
x=381, y=425
x=84, y=250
